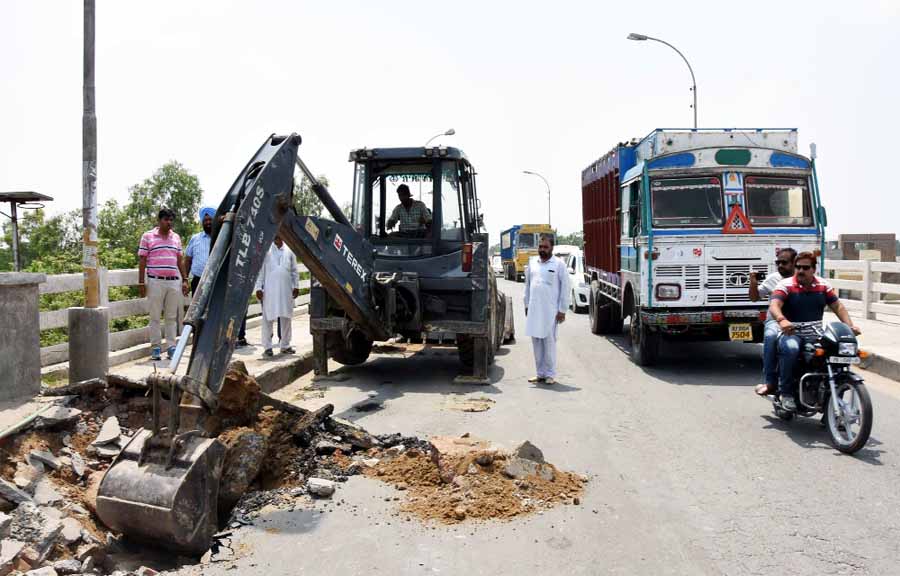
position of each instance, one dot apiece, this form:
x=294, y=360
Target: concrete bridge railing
x=863, y=292
x=59, y=283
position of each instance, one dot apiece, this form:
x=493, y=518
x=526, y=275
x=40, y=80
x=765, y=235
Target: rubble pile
x=455, y=479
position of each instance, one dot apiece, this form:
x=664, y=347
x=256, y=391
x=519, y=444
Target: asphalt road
x=690, y=472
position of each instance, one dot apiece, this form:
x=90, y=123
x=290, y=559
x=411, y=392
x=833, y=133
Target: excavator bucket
x=164, y=496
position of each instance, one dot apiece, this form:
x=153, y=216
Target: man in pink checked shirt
x=162, y=279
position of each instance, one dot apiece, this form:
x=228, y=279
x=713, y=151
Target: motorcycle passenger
x=785, y=264
x=800, y=298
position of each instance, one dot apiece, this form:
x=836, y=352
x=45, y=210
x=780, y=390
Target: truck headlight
x=668, y=291
x=847, y=349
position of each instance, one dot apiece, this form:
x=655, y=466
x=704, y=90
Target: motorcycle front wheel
x=851, y=425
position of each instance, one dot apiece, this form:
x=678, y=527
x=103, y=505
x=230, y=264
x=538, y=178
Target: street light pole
x=548, y=191
x=89, y=166
x=642, y=37
x=449, y=132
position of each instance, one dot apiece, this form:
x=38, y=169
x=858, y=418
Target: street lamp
x=548, y=190
x=642, y=37
x=449, y=132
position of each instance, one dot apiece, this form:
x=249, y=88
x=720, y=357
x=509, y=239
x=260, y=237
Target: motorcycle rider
x=785, y=264
x=800, y=298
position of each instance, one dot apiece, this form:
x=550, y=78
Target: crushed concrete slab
x=70, y=566
x=45, y=457
x=45, y=494
x=45, y=571
x=320, y=487
x=5, y=524
x=28, y=475
x=109, y=432
x=78, y=465
x=520, y=467
x=11, y=493
x=71, y=531
x=245, y=451
x=529, y=451
x=38, y=527
x=9, y=550
x=57, y=417
x=330, y=447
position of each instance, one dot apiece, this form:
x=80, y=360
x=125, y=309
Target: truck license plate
x=740, y=332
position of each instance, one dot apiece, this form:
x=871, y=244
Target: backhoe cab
x=416, y=210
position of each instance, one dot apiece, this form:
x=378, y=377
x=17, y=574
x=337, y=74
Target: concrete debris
x=520, y=467
x=145, y=571
x=45, y=571
x=45, y=494
x=71, y=531
x=329, y=447
x=529, y=451
x=44, y=457
x=245, y=451
x=78, y=465
x=93, y=551
x=5, y=524
x=12, y=494
x=106, y=452
x=109, y=432
x=371, y=462
x=350, y=434
x=9, y=551
x=320, y=487
x=28, y=475
x=395, y=450
x=70, y=566
x=304, y=429
x=57, y=417
x=38, y=527
x=88, y=565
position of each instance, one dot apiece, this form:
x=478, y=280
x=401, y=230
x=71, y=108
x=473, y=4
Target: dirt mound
x=470, y=481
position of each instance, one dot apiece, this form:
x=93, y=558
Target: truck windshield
x=528, y=240
x=778, y=201
x=687, y=202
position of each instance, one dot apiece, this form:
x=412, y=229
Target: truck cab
x=696, y=213
x=517, y=245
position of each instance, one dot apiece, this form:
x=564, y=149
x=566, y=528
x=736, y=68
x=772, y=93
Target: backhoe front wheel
x=352, y=351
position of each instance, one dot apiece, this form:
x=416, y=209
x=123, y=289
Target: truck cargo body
x=676, y=223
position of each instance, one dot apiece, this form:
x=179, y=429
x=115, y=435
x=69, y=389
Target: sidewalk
x=882, y=340
x=271, y=373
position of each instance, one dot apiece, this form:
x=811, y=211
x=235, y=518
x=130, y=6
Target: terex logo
x=351, y=259
x=338, y=242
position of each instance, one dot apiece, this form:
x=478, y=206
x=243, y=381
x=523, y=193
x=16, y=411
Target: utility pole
x=89, y=166
x=89, y=325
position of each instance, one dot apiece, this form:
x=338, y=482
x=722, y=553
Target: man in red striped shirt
x=162, y=279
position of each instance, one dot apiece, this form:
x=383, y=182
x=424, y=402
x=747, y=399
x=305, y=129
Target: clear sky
x=543, y=86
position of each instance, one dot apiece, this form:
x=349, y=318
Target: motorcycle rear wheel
x=856, y=431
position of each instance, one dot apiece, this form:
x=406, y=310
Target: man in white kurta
x=276, y=287
x=546, y=302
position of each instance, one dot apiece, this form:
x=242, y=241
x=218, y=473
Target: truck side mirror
x=823, y=216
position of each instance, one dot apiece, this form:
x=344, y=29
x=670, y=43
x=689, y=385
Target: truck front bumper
x=693, y=317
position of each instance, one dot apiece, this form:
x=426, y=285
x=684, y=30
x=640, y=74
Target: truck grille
x=729, y=283
x=689, y=274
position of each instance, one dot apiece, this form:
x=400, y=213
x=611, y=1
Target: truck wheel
x=355, y=350
x=644, y=343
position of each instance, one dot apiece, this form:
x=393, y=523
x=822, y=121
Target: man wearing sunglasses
x=801, y=298
x=785, y=264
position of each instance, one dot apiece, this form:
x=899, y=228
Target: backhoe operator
x=414, y=217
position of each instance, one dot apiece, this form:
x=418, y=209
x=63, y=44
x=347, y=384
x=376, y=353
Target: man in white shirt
x=546, y=302
x=276, y=288
x=785, y=264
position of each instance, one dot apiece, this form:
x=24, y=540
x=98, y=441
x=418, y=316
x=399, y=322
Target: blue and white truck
x=675, y=224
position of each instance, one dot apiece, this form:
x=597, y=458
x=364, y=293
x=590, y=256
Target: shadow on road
x=702, y=363
x=393, y=375
x=809, y=433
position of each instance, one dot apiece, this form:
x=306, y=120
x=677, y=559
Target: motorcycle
x=824, y=384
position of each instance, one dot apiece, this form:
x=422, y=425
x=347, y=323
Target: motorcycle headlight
x=847, y=349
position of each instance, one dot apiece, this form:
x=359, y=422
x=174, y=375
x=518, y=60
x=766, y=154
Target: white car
x=497, y=265
x=581, y=291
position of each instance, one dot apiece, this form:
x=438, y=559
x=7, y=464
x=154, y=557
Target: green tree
x=305, y=200
x=173, y=187
x=573, y=239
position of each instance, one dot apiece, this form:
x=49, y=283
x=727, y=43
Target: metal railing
x=862, y=290
x=59, y=283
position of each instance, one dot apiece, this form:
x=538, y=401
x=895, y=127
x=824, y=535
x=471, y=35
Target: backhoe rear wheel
x=355, y=350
